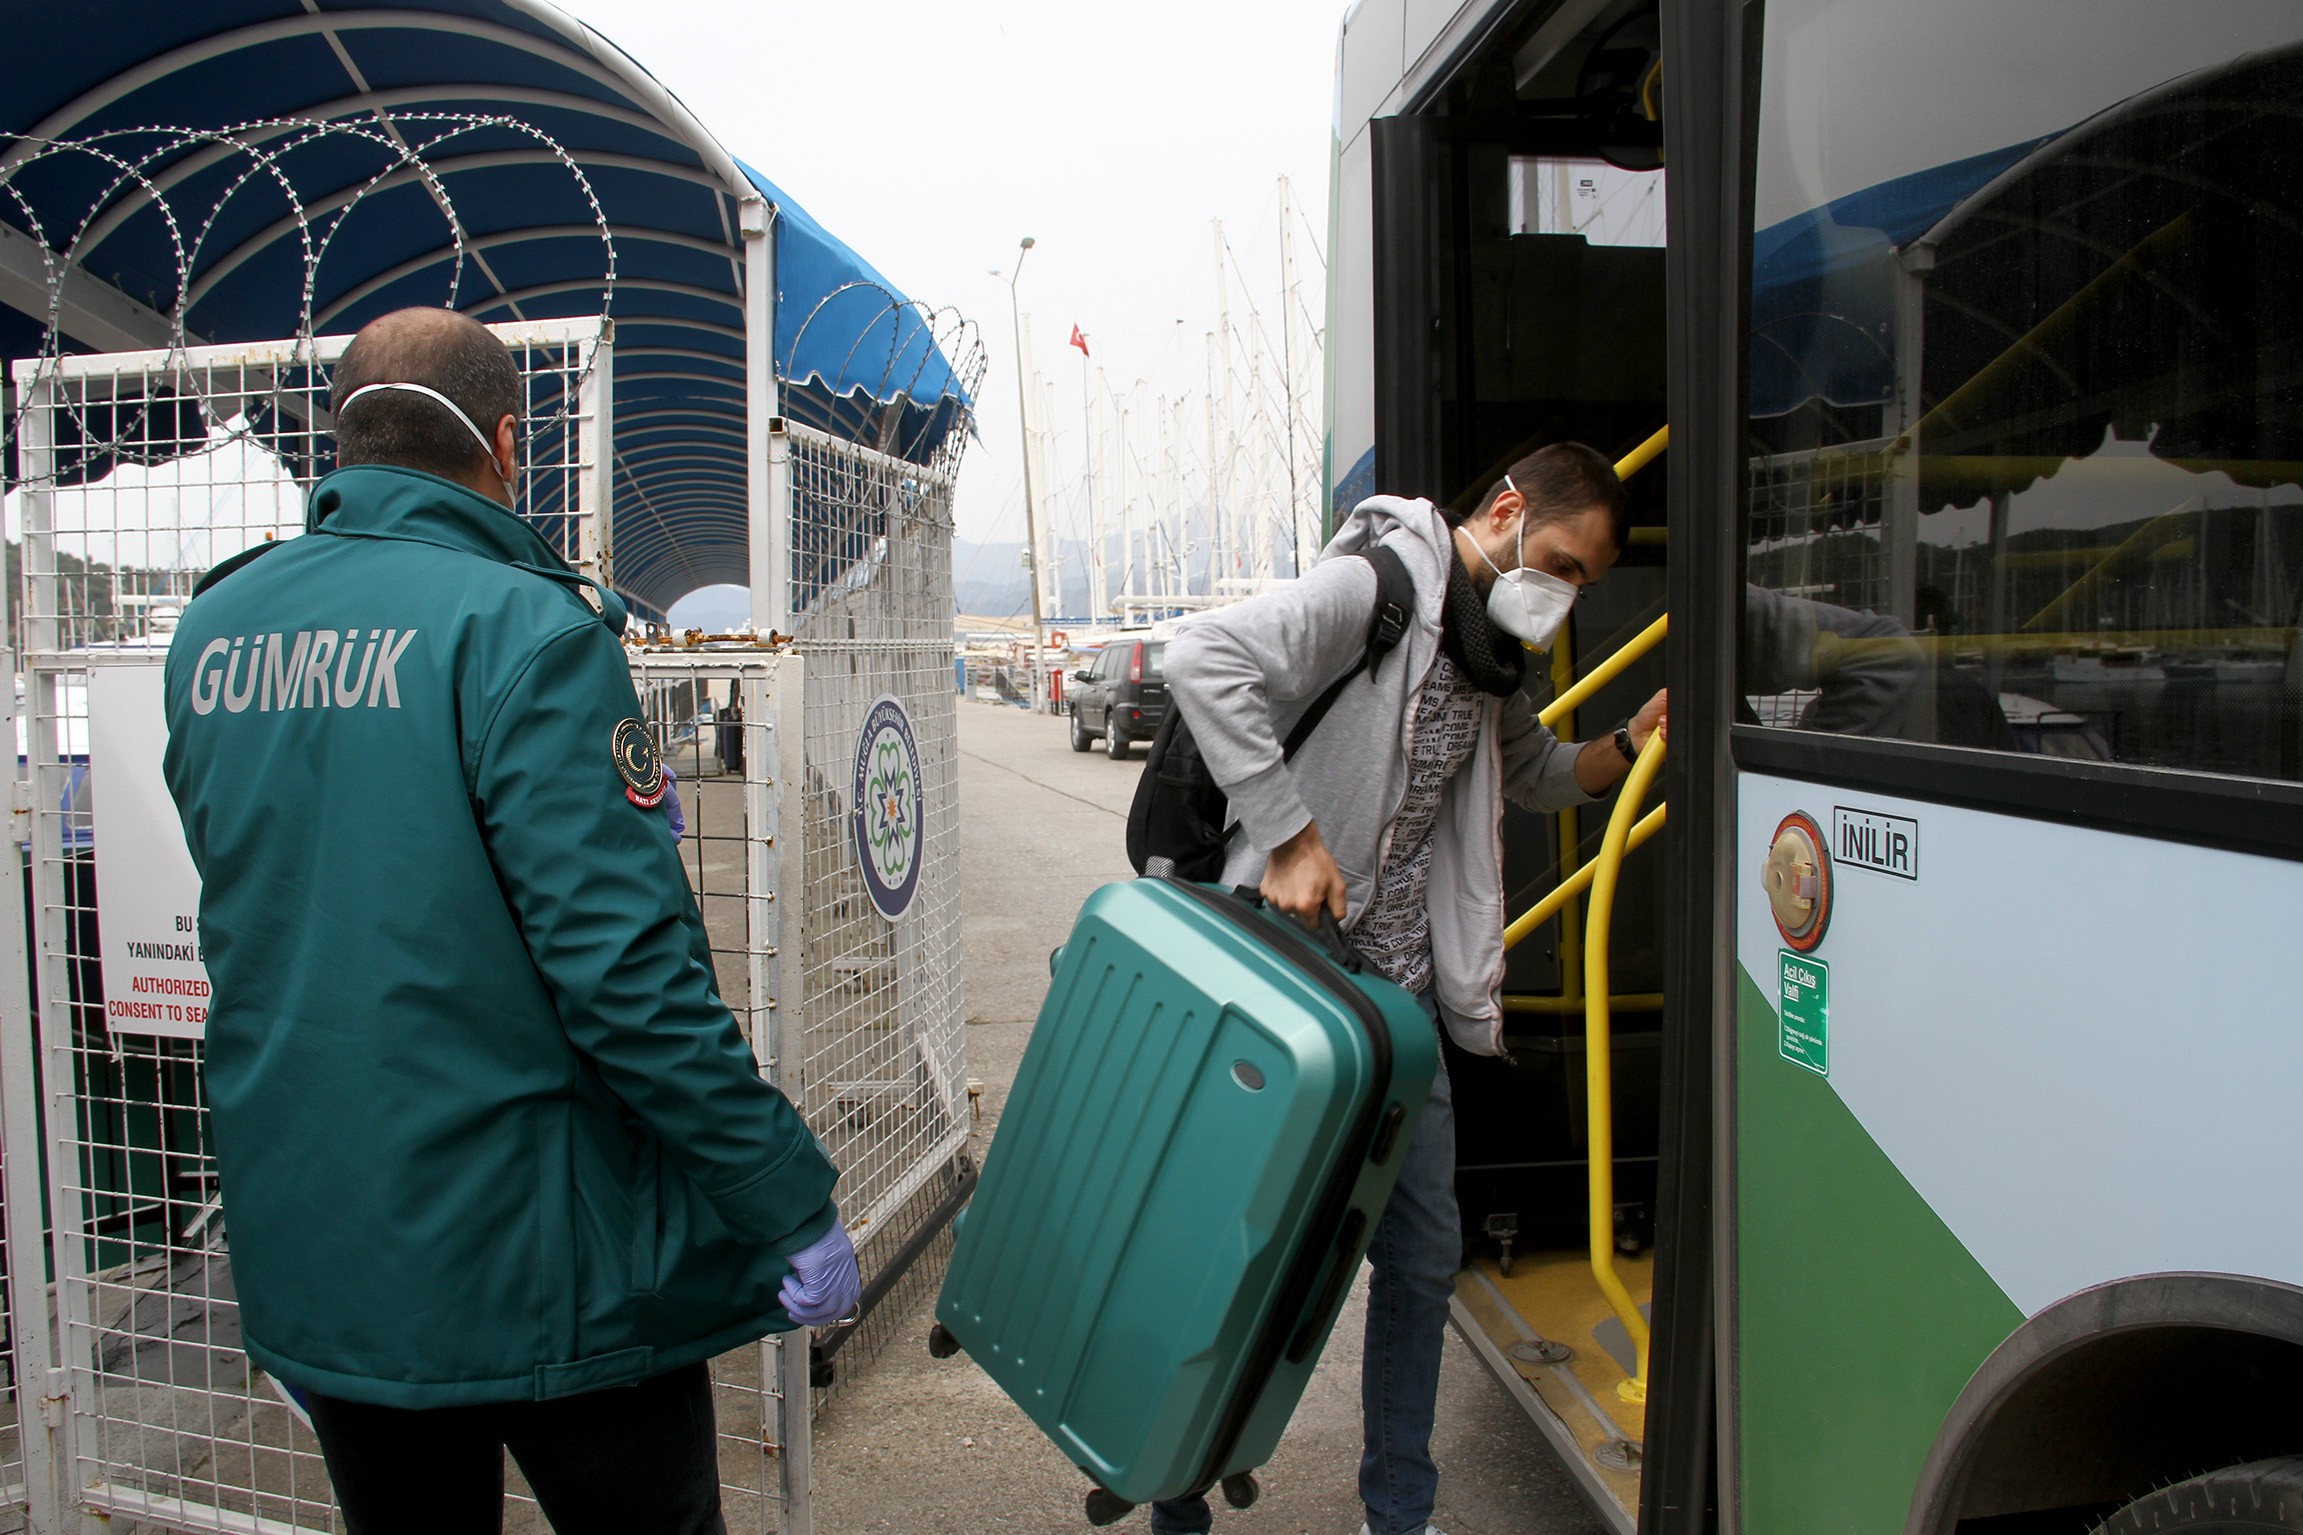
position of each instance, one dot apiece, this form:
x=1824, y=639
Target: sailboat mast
x=1302, y=536
x=1097, y=467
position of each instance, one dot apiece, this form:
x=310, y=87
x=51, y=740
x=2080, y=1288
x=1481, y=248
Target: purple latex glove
x=823, y=1286
x=677, y=816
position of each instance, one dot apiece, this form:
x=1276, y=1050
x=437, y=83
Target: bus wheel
x=2261, y=1495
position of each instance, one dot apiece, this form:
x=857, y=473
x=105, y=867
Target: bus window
x=1605, y=204
x=2025, y=387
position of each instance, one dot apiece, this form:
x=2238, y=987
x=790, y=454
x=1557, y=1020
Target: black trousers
x=630, y=1460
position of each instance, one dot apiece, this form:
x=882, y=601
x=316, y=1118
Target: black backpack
x=1181, y=823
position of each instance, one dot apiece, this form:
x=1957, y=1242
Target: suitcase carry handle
x=1343, y=1263
x=1329, y=933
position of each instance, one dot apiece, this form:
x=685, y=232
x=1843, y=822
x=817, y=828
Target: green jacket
x=485, y=1129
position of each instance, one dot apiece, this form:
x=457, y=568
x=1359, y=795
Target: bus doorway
x=1514, y=268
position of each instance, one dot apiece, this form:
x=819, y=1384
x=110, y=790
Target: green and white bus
x=1946, y=1093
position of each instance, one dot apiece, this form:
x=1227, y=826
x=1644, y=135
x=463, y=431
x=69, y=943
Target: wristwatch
x=1623, y=742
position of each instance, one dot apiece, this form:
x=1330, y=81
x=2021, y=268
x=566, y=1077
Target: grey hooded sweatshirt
x=1243, y=675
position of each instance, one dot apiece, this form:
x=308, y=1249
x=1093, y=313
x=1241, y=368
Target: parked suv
x=1121, y=696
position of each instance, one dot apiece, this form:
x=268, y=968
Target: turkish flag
x=1079, y=341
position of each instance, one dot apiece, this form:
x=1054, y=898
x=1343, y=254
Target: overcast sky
x=931, y=136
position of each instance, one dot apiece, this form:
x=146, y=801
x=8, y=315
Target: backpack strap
x=1386, y=626
x=1394, y=604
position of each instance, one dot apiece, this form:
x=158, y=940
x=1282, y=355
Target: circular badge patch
x=638, y=763
x=888, y=807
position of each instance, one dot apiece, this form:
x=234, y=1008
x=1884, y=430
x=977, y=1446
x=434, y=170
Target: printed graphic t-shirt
x=1395, y=931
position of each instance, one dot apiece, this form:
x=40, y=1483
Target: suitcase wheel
x=1107, y=1507
x=941, y=1343
x=1242, y=1490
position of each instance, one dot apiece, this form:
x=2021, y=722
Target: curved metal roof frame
x=668, y=192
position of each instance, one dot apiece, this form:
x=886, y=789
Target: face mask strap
x=1515, y=490
x=454, y=409
x=1500, y=572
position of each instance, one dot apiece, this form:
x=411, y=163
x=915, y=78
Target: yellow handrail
x=1600, y=875
x=1598, y=1066
x=1575, y=884
x=1608, y=670
x=1643, y=455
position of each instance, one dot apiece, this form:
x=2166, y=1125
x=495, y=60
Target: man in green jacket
x=498, y=1167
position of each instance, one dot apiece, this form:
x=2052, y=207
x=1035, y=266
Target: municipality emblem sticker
x=888, y=804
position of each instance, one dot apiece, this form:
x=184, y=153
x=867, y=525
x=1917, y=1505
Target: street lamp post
x=1031, y=512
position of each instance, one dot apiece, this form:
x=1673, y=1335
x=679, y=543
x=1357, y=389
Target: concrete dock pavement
x=931, y=1447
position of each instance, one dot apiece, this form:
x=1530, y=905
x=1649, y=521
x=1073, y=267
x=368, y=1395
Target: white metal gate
x=137, y=472
x=140, y=471
x=857, y=1016
x=728, y=726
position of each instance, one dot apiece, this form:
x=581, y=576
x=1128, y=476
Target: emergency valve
x=1797, y=879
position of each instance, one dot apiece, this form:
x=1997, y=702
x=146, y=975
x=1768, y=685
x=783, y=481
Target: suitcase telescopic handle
x=1330, y=934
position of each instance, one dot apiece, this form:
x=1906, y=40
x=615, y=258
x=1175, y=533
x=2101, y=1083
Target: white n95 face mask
x=1529, y=605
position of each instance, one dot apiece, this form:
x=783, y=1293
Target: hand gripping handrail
x=1599, y=1067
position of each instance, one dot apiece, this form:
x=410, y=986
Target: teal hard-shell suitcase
x=1203, y=1132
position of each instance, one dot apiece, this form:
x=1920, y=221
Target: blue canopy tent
x=2165, y=220
x=499, y=226
x=1823, y=285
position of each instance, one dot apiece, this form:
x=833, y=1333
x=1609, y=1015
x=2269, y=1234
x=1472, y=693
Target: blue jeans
x=1417, y=1248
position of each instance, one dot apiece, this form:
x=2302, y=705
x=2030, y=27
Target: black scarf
x=1493, y=660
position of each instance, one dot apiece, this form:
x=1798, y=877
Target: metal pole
x=1031, y=507
x=769, y=521
x=1052, y=590
x=1179, y=550
x=1232, y=533
x=595, y=453
x=41, y=1396
x=1265, y=535
x=1095, y=470
x=1287, y=301
x=1215, y=511
x=775, y=723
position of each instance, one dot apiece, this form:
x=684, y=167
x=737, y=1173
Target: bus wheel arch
x=2116, y=1390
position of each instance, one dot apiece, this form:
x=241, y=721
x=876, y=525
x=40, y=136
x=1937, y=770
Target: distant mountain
x=989, y=581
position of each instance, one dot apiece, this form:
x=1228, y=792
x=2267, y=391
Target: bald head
x=443, y=351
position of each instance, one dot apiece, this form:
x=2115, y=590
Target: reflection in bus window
x=2026, y=375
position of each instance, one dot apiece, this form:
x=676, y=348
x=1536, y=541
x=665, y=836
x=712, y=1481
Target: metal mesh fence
x=138, y=473
x=170, y=1422
x=726, y=725
x=1818, y=528
x=1818, y=524
x=876, y=1055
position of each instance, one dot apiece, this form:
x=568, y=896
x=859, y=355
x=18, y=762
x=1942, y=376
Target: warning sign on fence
x=147, y=892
